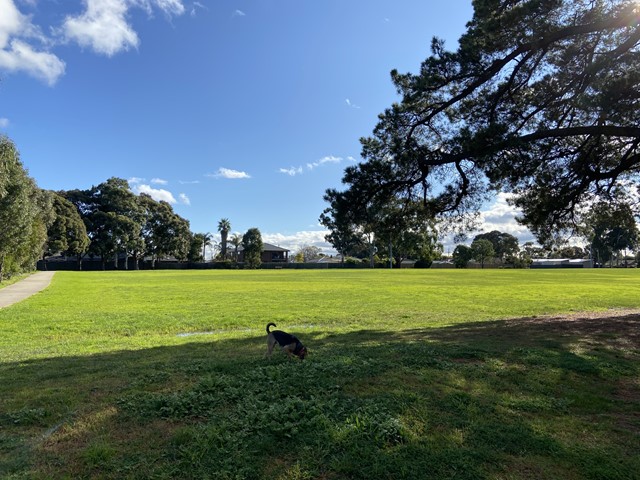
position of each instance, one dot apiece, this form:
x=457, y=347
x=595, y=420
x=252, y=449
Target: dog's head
x=302, y=353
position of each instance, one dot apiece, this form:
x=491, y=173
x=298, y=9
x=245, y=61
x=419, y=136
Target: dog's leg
x=289, y=349
x=271, y=342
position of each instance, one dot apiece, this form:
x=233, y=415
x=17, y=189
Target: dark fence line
x=98, y=265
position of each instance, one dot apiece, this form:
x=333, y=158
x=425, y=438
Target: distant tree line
x=107, y=221
x=610, y=235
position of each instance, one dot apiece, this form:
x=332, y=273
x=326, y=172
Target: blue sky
x=246, y=110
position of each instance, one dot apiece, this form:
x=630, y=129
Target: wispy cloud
x=329, y=159
x=293, y=171
x=350, y=104
x=323, y=161
x=238, y=13
x=184, y=199
x=134, y=180
x=159, y=181
x=4, y=122
x=229, y=173
x=197, y=6
x=188, y=182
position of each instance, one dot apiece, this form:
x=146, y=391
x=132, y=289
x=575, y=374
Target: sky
x=240, y=109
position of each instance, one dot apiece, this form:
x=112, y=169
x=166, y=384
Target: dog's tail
x=268, y=325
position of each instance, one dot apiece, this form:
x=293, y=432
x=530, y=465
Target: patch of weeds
x=295, y=472
x=99, y=455
x=538, y=404
x=370, y=424
x=151, y=378
x=14, y=455
x=25, y=417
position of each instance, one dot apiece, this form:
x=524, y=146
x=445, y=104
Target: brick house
x=270, y=254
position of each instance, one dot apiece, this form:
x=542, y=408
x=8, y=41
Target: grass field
x=412, y=374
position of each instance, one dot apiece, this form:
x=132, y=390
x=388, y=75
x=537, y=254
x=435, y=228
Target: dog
x=289, y=343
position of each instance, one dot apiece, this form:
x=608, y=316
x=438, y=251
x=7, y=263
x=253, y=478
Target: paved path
x=24, y=288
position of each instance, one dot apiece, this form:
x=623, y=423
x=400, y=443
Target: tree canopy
x=540, y=100
x=117, y=221
x=252, y=245
x=504, y=244
x=25, y=213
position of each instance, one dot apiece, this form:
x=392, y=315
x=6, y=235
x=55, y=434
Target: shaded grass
x=392, y=389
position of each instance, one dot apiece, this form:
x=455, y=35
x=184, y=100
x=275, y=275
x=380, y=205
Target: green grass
x=412, y=374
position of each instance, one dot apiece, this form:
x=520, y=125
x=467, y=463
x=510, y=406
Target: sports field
x=412, y=374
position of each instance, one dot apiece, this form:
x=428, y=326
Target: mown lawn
x=412, y=374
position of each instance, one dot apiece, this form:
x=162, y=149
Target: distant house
x=270, y=254
x=561, y=263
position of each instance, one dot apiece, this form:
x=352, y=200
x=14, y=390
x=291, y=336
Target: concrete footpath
x=25, y=288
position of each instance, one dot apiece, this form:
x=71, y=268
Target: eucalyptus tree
x=504, y=244
x=609, y=229
x=164, y=232
x=25, y=212
x=540, y=99
x=344, y=232
x=252, y=248
x=462, y=255
x=67, y=234
x=482, y=250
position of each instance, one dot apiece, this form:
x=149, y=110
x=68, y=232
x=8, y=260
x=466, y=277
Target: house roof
x=266, y=247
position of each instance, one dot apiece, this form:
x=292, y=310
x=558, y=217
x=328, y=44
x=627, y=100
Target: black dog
x=289, y=343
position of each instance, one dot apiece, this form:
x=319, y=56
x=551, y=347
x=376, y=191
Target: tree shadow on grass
x=527, y=398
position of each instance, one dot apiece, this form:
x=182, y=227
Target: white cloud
x=324, y=160
x=157, y=194
x=239, y=13
x=229, y=173
x=195, y=6
x=22, y=57
x=170, y=7
x=188, y=182
x=103, y=27
x=297, y=240
x=502, y=216
x=292, y=172
x=498, y=216
x=159, y=181
x=17, y=55
x=4, y=122
x=329, y=159
x=184, y=199
x=134, y=180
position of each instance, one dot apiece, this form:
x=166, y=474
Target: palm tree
x=224, y=226
x=236, y=241
x=206, y=242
